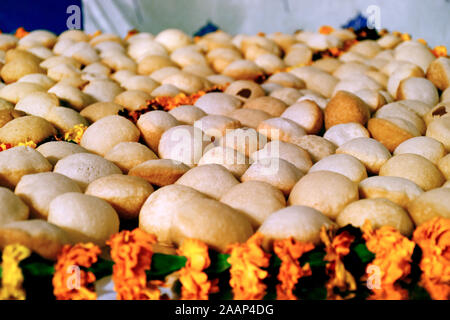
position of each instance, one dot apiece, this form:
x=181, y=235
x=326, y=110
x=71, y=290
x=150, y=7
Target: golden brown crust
x=346, y=107
x=161, y=172
x=438, y=73
x=387, y=133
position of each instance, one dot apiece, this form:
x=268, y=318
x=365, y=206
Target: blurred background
x=422, y=19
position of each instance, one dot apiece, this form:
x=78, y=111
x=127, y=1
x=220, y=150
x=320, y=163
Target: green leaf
x=219, y=262
x=102, y=268
x=314, y=258
x=163, y=264
x=419, y=293
x=363, y=253
x=38, y=269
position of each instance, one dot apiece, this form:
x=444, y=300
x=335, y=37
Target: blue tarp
x=35, y=14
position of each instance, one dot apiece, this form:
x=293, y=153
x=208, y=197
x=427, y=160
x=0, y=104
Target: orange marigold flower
x=246, y=261
x=392, y=260
x=195, y=282
x=422, y=41
x=433, y=237
x=69, y=281
x=168, y=103
x=289, y=251
x=21, y=32
x=261, y=34
x=326, y=29
x=335, y=52
x=131, y=33
x=336, y=248
x=440, y=51
x=132, y=254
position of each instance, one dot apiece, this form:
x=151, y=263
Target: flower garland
x=392, y=261
x=386, y=257
x=70, y=282
x=336, y=248
x=132, y=253
x=12, y=277
x=289, y=251
x=195, y=284
x=433, y=237
x=246, y=261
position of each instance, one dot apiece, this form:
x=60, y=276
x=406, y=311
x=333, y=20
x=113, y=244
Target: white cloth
x=422, y=19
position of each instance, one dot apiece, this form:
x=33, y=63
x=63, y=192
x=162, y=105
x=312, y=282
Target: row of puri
x=311, y=130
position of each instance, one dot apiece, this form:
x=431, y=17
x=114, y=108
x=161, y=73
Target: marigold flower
x=21, y=32
x=433, y=237
x=131, y=33
x=246, y=261
x=422, y=41
x=440, y=51
x=326, y=29
x=5, y=146
x=76, y=133
x=30, y=143
x=336, y=248
x=69, y=281
x=405, y=37
x=392, y=258
x=132, y=254
x=12, y=277
x=168, y=103
x=289, y=251
x=195, y=282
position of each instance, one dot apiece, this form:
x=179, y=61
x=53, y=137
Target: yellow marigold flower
x=326, y=29
x=405, y=37
x=76, y=133
x=70, y=282
x=195, y=284
x=30, y=143
x=12, y=277
x=336, y=248
x=433, y=237
x=393, y=254
x=289, y=251
x=132, y=254
x=440, y=51
x=246, y=261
